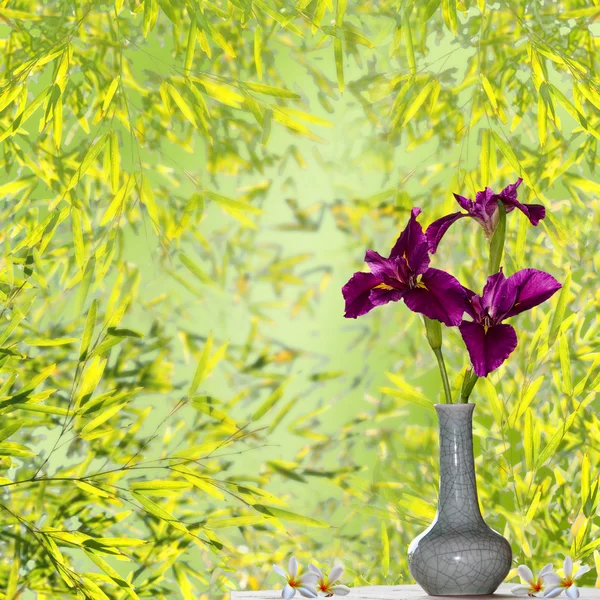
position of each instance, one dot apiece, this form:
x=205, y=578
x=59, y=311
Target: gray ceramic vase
x=458, y=554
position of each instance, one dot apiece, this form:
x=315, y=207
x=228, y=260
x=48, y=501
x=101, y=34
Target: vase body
x=458, y=554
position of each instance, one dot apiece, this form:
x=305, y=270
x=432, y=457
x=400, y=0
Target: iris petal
x=439, y=296
x=412, y=244
x=498, y=297
x=381, y=266
x=534, y=212
x=356, y=293
x=488, y=349
x=532, y=288
x=436, y=231
x=465, y=203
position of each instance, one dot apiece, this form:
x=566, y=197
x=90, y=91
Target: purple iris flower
x=488, y=340
x=485, y=211
x=406, y=275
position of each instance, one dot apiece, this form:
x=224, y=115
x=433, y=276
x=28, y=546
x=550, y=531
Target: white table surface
x=396, y=592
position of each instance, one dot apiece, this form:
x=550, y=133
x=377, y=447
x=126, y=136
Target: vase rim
x=467, y=405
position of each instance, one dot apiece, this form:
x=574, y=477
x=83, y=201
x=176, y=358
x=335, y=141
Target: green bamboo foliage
x=183, y=185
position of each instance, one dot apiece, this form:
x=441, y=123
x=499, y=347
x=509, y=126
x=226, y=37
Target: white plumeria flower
x=330, y=585
x=567, y=582
x=304, y=584
x=536, y=587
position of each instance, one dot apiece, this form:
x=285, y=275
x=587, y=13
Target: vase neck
x=458, y=502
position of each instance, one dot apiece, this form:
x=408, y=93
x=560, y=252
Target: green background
x=316, y=434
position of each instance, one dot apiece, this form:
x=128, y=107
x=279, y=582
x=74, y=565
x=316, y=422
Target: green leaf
x=115, y=208
x=100, y=419
x=286, y=515
x=270, y=402
x=385, y=550
x=338, y=51
x=201, y=369
x=204, y=484
x=268, y=90
x=191, y=46
x=110, y=93
x=159, y=485
x=258, y=44
x=7, y=431
x=50, y=342
x=92, y=489
x=184, y=107
x=195, y=269
x=489, y=92
x=87, y=161
x=234, y=521
x=408, y=42
x=14, y=449
x=157, y=511
x=565, y=364
x=418, y=102
x=78, y=241
x=114, y=575
x=88, y=330
x=449, y=15
x=115, y=161
x=559, y=311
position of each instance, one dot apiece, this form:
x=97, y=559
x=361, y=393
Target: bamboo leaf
x=385, y=550
x=489, y=91
x=100, y=419
x=86, y=163
x=258, y=44
x=338, y=52
x=418, y=102
x=201, y=369
x=191, y=47
x=183, y=106
x=88, y=330
x=559, y=311
x=110, y=93
x=268, y=90
x=157, y=511
x=51, y=342
x=78, y=241
x=115, y=161
x=565, y=364
x=286, y=515
x=408, y=42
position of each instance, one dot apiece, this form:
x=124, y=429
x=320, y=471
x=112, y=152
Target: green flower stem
x=444, y=374
x=497, y=241
x=469, y=381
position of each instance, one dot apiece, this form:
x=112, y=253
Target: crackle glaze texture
x=458, y=554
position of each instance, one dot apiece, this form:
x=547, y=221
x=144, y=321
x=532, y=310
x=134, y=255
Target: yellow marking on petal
x=421, y=285
x=383, y=286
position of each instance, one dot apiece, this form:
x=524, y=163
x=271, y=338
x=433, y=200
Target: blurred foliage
x=142, y=397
